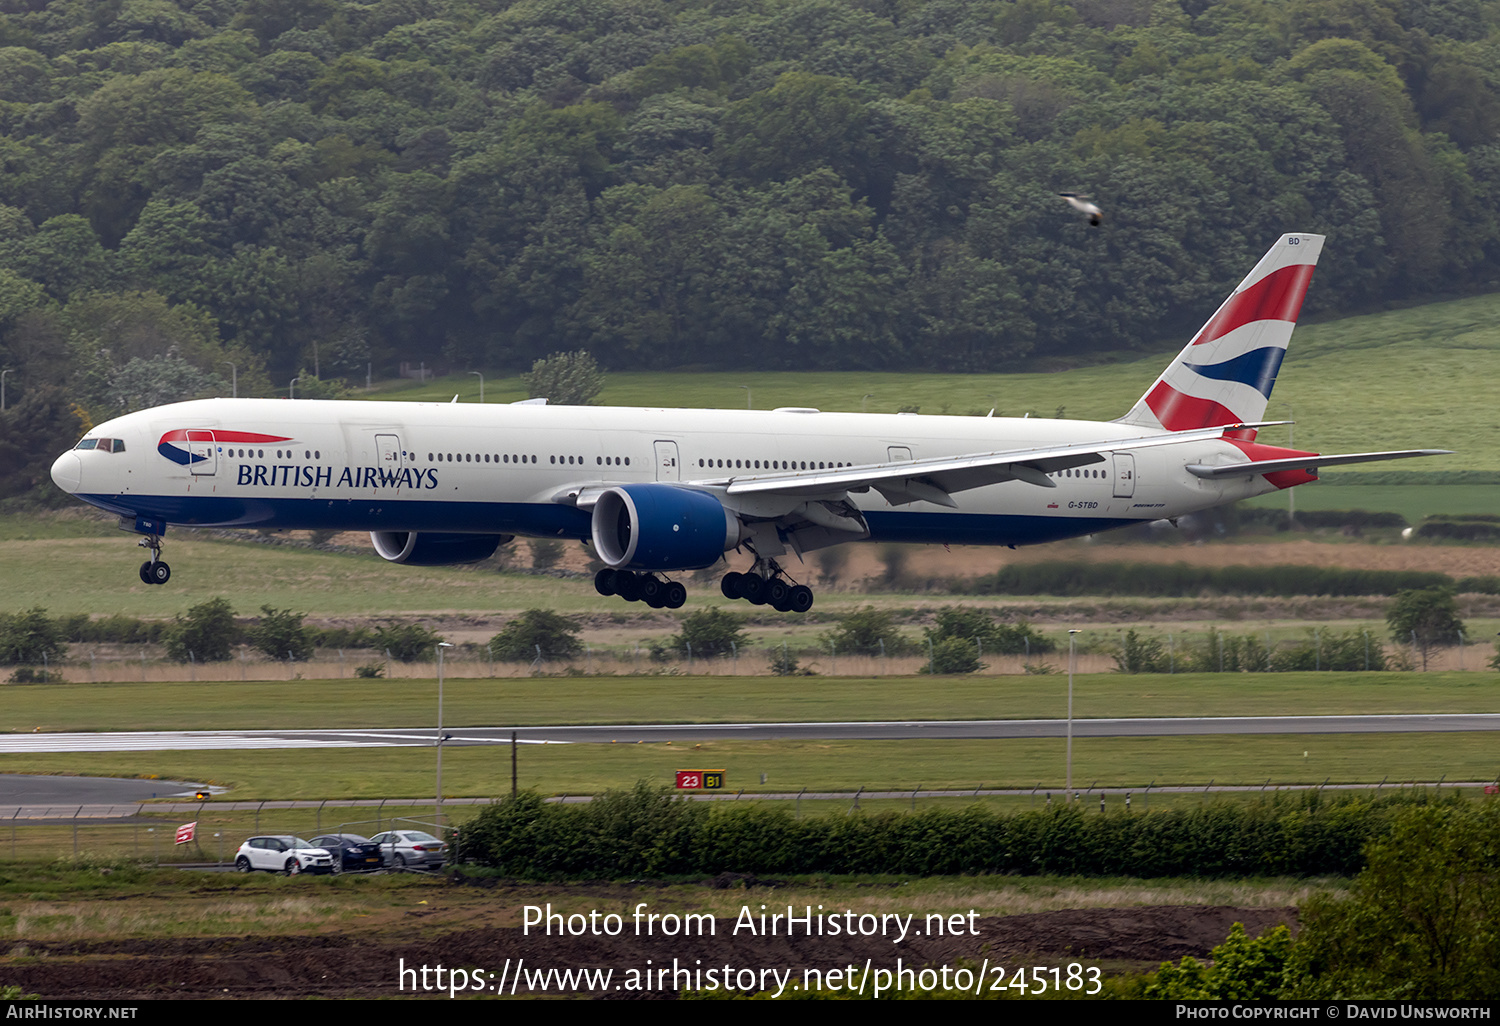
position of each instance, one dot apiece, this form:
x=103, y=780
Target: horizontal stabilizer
x=1309, y=462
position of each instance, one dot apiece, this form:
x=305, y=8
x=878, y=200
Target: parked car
x=282, y=853
x=410, y=848
x=352, y=853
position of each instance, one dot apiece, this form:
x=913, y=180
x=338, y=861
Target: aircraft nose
x=67, y=472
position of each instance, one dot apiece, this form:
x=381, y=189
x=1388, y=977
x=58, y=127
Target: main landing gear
x=655, y=591
x=154, y=571
x=766, y=585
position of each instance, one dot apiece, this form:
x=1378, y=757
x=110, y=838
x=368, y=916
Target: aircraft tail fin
x=1225, y=374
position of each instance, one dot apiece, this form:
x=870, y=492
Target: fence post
x=1171, y=655
x=882, y=657
x=193, y=666
x=1317, y=649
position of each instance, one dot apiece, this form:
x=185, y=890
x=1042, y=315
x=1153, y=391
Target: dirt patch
x=354, y=965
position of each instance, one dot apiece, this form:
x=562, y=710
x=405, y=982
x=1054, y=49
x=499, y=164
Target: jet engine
x=662, y=527
x=426, y=549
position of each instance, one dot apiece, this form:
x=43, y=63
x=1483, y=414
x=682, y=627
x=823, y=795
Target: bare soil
x=365, y=964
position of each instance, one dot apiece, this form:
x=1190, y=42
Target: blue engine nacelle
x=662, y=527
x=426, y=549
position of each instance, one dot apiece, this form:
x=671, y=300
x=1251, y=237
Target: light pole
x=2, y=387
x=1291, y=443
x=747, y=395
x=1072, y=660
x=234, y=379
x=291, y=390
x=481, y=384
x=864, y=404
x=437, y=808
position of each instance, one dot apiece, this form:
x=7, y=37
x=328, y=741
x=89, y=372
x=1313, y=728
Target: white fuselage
x=519, y=469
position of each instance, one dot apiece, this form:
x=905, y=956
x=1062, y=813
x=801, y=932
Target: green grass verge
x=527, y=701
x=407, y=773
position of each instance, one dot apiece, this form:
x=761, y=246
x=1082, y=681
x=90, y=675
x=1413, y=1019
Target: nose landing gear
x=154, y=571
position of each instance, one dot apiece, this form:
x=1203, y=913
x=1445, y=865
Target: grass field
x=1116, y=763
x=1378, y=381
x=684, y=699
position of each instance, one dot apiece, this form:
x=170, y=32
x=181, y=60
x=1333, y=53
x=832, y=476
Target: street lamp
x=481, y=384
x=747, y=395
x=437, y=808
x=865, y=402
x=291, y=390
x=1072, y=660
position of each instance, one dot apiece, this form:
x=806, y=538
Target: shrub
x=981, y=628
x=1140, y=654
x=206, y=634
x=953, y=655
x=407, y=642
x=711, y=632
x=868, y=631
x=556, y=635
x=279, y=632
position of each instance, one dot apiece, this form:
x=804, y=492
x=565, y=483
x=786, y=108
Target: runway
x=891, y=730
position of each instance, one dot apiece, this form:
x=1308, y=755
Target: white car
x=416, y=849
x=282, y=853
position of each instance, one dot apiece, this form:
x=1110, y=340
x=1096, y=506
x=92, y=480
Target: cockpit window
x=119, y=445
x=87, y=443
x=102, y=444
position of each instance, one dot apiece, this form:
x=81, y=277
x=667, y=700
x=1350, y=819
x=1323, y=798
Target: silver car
x=282, y=853
x=415, y=849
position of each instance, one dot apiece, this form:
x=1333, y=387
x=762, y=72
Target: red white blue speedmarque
x=663, y=490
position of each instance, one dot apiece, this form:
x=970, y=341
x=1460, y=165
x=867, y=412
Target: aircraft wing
x=935, y=479
x=1309, y=462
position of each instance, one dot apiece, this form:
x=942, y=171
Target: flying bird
x=1080, y=202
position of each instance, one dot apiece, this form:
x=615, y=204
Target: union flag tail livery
x=1225, y=374
x=659, y=491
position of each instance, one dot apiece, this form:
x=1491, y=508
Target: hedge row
x=646, y=832
x=1179, y=580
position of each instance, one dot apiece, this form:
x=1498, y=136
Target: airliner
x=659, y=491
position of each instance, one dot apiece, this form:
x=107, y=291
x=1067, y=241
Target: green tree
x=1424, y=616
x=1420, y=921
x=565, y=379
x=279, y=632
x=554, y=634
x=952, y=655
x=29, y=637
x=206, y=634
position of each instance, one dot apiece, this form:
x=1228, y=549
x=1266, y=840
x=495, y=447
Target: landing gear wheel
x=158, y=573
x=604, y=581
x=801, y=599
x=732, y=585
x=653, y=590
x=627, y=585
x=242, y=865
x=676, y=595
x=753, y=589
x=776, y=594
x=146, y=573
